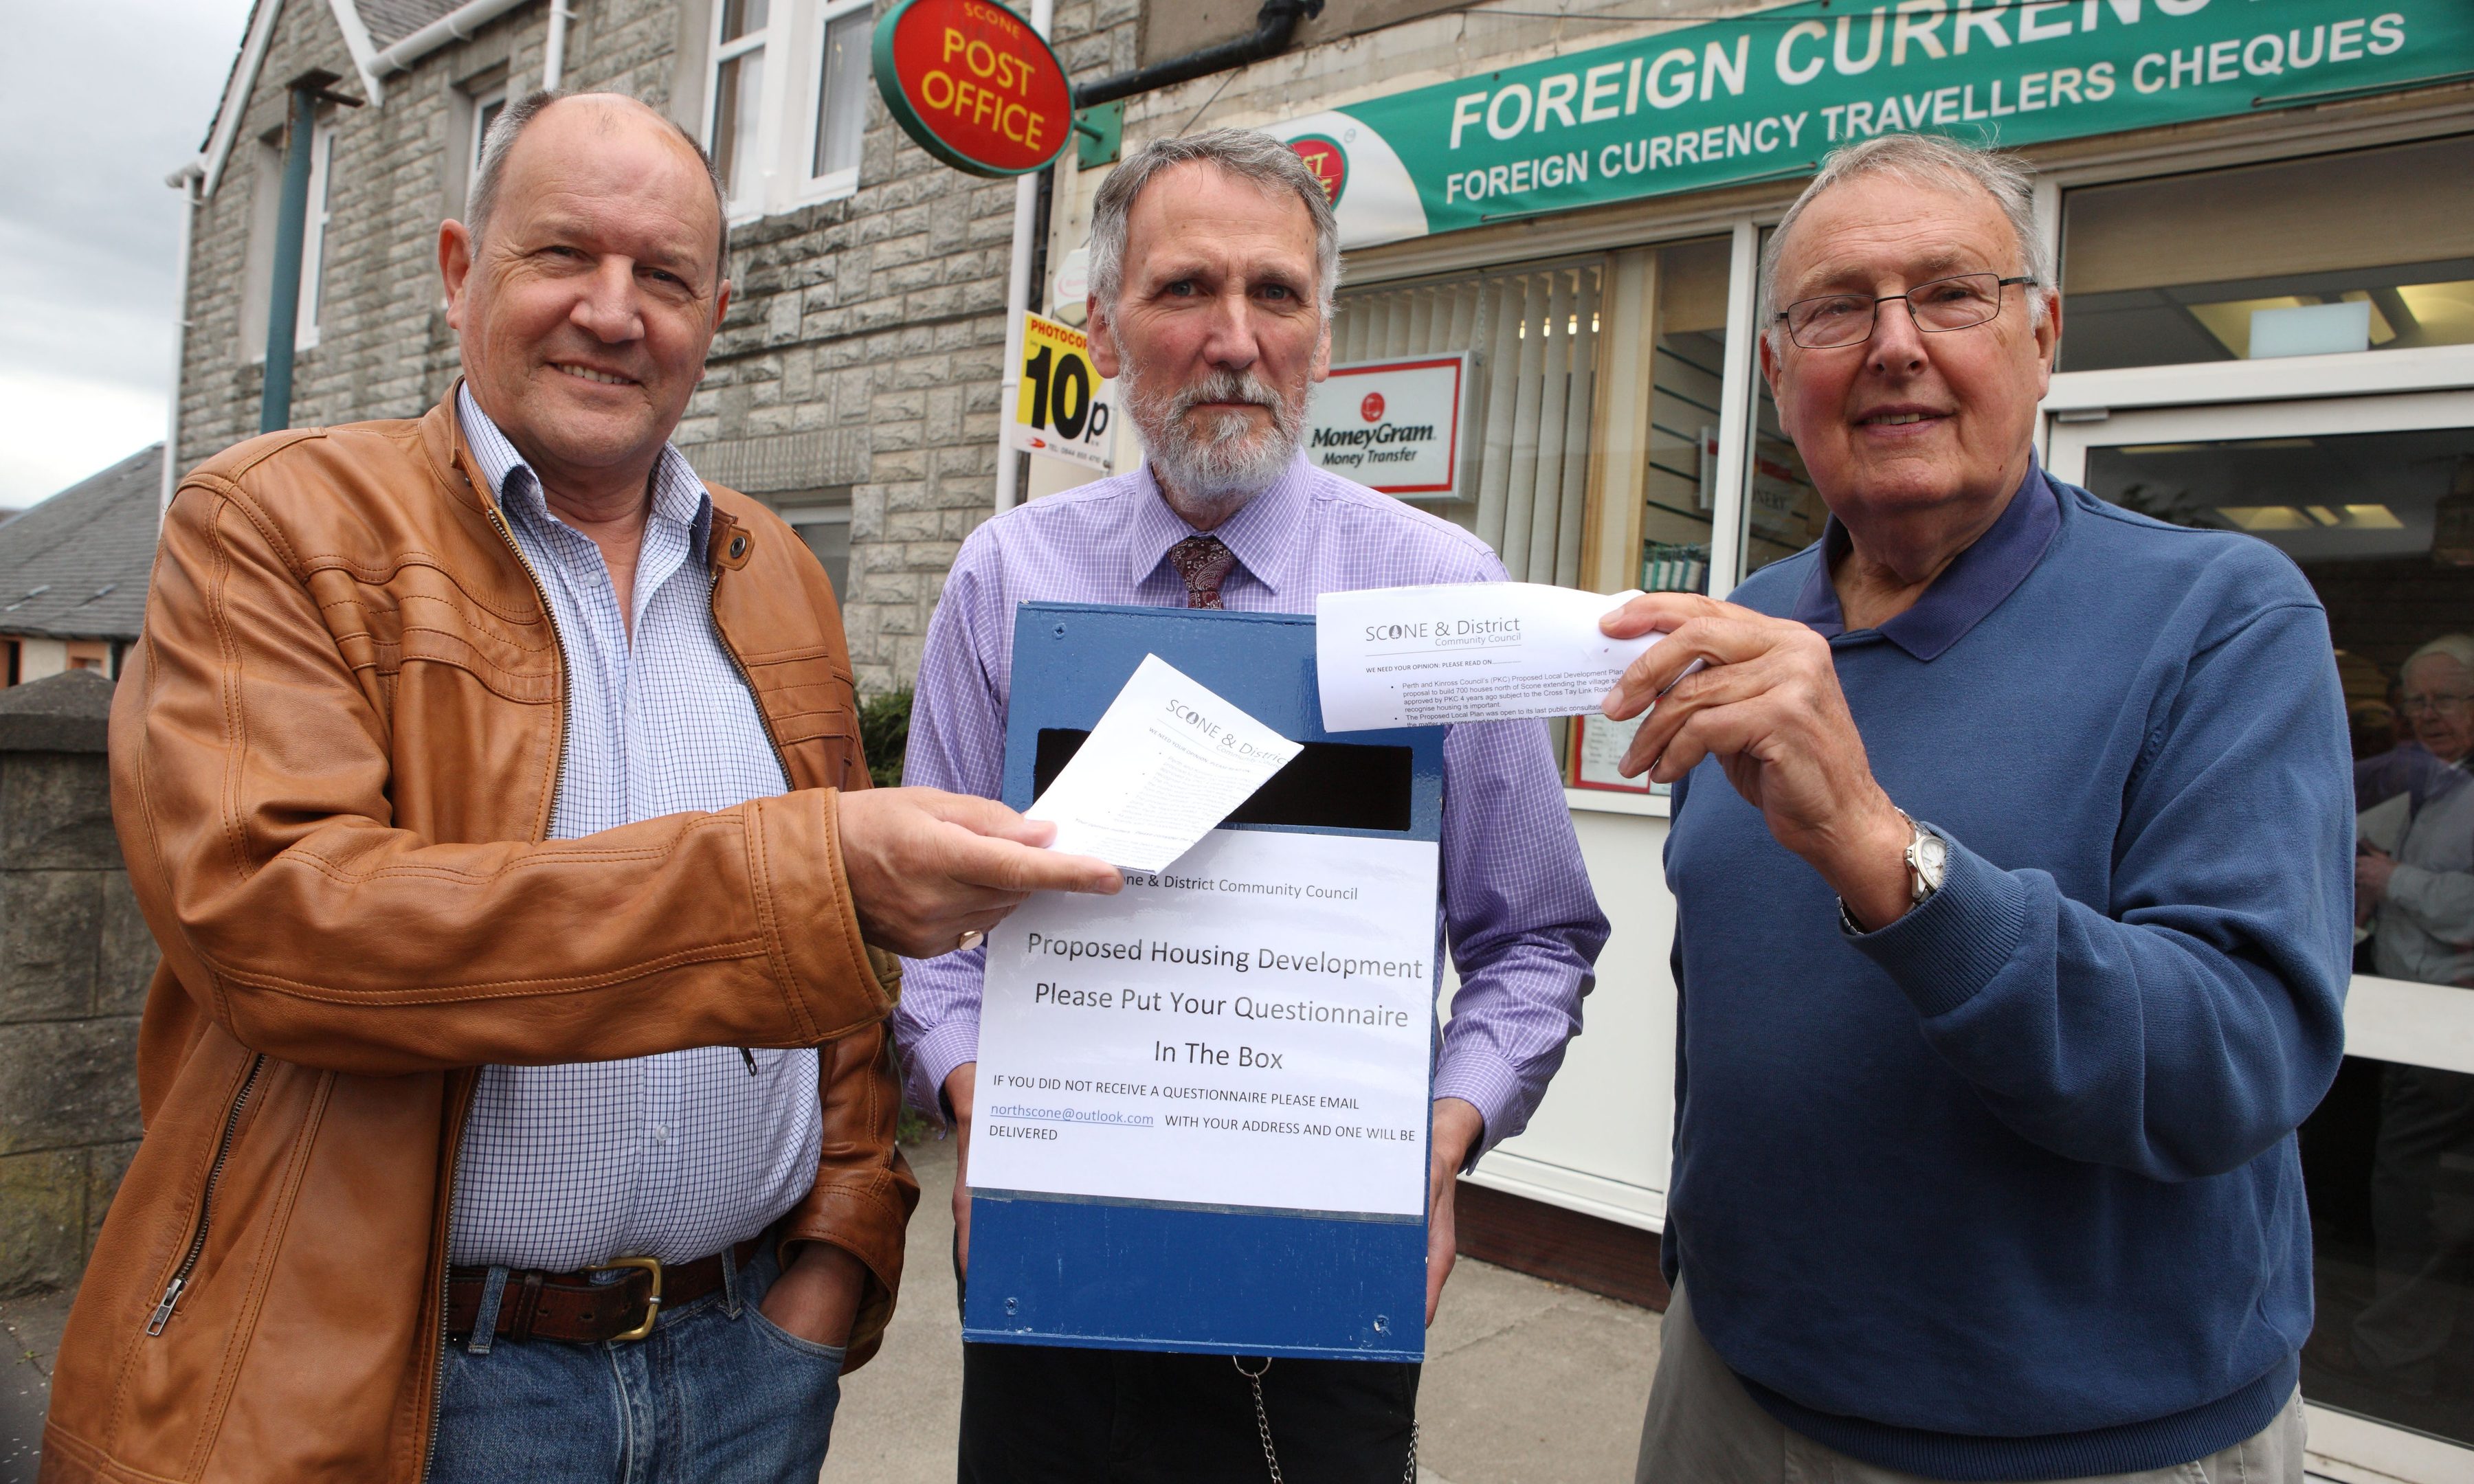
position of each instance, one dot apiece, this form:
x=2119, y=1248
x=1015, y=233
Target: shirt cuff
x=1488, y=1083
x=1950, y=947
x=934, y=1056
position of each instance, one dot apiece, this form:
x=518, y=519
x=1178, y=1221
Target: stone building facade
x=854, y=383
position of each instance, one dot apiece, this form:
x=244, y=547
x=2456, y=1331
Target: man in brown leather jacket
x=516, y=1098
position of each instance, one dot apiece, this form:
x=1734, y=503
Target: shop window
x=1783, y=512
x=2371, y=251
x=822, y=518
x=1559, y=498
x=2382, y=524
x=1662, y=448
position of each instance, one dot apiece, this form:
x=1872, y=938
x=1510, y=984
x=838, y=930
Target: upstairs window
x=266, y=205
x=787, y=83
x=737, y=96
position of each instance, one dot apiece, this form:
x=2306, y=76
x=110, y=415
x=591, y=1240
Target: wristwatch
x=1928, y=858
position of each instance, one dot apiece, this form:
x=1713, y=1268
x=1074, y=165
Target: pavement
x=1526, y=1382
x=30, y=1337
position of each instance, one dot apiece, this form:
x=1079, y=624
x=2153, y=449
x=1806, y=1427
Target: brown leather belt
x=572, y=1306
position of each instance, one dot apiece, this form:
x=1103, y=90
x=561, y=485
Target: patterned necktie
x=1205, y=563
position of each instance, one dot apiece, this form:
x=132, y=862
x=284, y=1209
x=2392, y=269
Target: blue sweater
x=2009, y=1189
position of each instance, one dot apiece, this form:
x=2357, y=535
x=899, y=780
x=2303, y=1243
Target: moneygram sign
x=974, y=84
x=1396, y=426
x=1768, y=95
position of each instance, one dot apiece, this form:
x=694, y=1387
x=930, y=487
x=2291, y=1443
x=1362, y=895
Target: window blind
x=1534, y=392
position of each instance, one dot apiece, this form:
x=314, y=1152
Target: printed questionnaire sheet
x=1465, y=652
x=1168, y=761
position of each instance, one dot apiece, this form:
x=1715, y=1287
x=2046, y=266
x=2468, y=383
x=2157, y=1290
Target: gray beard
x=1226, y=463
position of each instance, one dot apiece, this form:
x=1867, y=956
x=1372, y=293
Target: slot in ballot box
x=1201, y=1108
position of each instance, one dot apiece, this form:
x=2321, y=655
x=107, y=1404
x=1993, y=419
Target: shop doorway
x=2373, y=498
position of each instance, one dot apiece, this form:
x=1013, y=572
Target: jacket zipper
x=446, y=1274
x=171, y=1300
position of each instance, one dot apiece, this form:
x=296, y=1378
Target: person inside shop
x=519, y=1103
x=2011, y=852
x=1214, y=262
x=2413, y=883
x=2427, y=761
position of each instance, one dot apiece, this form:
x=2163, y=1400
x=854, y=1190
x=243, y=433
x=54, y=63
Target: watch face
x=1932, y=857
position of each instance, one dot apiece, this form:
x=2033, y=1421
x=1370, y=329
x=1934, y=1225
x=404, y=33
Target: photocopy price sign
x=1248, y=1027
x=1064, y=410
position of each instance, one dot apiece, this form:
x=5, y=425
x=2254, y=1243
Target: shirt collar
x=1259, y=535
x=678, y=493
x=1974, y=584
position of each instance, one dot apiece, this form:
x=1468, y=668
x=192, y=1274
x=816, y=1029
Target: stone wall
x=75, y=957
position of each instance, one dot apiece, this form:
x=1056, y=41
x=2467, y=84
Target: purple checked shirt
x=1524, y=926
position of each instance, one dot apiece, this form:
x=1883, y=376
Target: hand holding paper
x=1168, y=761
x=1466, y=652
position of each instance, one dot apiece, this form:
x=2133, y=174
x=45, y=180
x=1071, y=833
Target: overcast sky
x=99, y=99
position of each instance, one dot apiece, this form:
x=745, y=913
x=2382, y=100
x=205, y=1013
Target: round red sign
x=1328, y=161
x=1372, y=408
x=974, y=84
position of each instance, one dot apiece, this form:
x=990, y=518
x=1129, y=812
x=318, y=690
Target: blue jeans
x=717, y=1393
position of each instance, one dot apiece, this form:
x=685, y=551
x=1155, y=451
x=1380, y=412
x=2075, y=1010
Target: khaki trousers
x=1703, y=1428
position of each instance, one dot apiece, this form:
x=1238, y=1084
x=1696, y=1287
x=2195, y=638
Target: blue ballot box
x=1255, y=1275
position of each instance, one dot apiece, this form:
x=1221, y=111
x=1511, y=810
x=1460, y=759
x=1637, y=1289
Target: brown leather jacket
x=333, y=755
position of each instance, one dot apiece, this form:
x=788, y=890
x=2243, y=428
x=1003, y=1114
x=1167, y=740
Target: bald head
x=588, y=115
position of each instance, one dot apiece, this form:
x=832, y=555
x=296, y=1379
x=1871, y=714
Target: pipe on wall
x=555, y=46
x=456, y=25
x=1025, y=206
x=1274, y=25
x=291, y=231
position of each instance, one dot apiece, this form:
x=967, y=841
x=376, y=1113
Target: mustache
x=1226, y=386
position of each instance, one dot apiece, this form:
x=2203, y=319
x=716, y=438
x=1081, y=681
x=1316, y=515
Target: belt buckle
x=652, y=1303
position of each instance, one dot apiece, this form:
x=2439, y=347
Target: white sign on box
x=1249, y=1028
x=1393, y=425
x=1465, y=652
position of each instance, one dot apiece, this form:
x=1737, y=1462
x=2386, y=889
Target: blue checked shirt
x=675, y=1156
x=1524, y=926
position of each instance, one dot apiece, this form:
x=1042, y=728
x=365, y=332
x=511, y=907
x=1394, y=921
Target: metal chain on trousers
x=1263, y=1425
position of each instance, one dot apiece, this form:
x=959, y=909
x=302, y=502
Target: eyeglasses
x=1955, y=303
x=2434, y=704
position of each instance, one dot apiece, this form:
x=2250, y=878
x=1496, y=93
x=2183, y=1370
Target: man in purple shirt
x=1214, y=259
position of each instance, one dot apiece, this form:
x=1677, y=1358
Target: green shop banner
x=1768, y=94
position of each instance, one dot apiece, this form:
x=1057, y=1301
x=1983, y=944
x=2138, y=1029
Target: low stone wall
x=74, y=960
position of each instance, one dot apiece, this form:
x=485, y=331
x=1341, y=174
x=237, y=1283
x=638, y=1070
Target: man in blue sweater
x=2012, y=859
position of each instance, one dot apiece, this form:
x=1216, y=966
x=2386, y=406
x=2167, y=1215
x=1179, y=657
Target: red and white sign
x=974, y=84
x=1398, y=427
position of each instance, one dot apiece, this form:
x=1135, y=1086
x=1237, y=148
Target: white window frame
x=759, y=135
x=781, y=137
x=313, y=246
x=314, y=234
x=836, y=183
x=482, y=101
